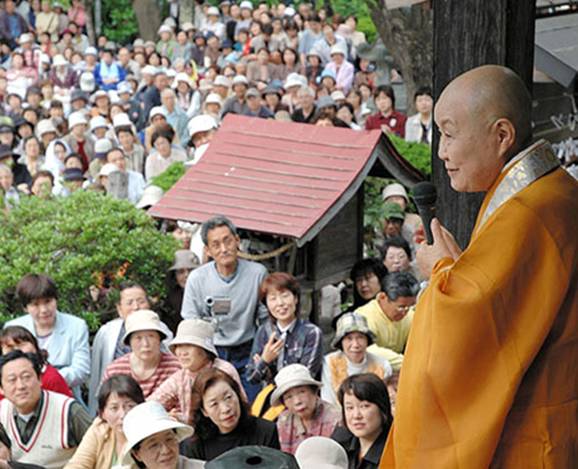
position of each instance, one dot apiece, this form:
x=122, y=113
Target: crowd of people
x=77, y=116
x=236, y=363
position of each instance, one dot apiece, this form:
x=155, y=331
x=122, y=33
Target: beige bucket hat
x=290, y=377
x=143, y=320
x=195, y=332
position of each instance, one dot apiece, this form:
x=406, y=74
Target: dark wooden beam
x=467, y=34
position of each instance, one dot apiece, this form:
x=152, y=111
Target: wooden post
x=467, y=34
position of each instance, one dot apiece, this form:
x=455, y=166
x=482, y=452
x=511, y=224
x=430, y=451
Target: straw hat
x=395, y=189
x=195, y=332
x=143, y=320
x=185, y=259
x=290, y=377
x=352, y=322
x=319, y=452
x=148, y=419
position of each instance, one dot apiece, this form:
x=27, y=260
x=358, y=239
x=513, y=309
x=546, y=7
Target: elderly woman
x=164, y=153
x=146, y=363
x=153, y=439
x=193, y=346
x=20, y=338
x=306, y=414
x=185, y=262
x=222, y=420
x=103, y=443
x=32, y=158
x=284, y=338
x=367, y=417
x=352, y=338
x=63, y=336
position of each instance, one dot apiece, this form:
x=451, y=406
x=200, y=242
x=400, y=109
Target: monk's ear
x=505, y=135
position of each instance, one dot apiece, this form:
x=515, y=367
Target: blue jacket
x=100, y=75
x=68, y=348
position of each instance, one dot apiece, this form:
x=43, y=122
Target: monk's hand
x=444, y=246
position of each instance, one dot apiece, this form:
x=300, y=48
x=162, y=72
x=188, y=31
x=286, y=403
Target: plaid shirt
x=303, y=344
x=292, y=431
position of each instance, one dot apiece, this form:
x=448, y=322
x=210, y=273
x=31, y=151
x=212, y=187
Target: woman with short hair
x=103, y=443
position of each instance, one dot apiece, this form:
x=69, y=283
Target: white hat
x=99, y=94
x=102, y=145
x=124, y=87
x=91, y=51
x=290, y=377
x=240, y=80
x=338, y=95
x=24, y=38
x=165, y=29
x=150, y=196
x=222, y=80
x=295, y=79
x=187, y=26
x=59, y=60
x=183, y=78
x=121, y=120
x=171, y=73
x=202, y=123
x=195, y=332
x=45, y=126
x=213, y=11
x=76, y=118
x=143, y=319
x=148, y=419
x=97, y=122
x=214, y=98
x=149, y=70
x=289, y=11
x=337, y=49
x=157, y=111
x=107, y=170
x=246, y=4
x=395, y=189
x=320, y=452
x=87, y=82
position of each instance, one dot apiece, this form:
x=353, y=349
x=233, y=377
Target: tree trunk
x=407, y=35
x=89, y=9
x=467, y=34
x=148, y=16
x=186, y=12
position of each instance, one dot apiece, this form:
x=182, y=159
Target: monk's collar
x=526, y=167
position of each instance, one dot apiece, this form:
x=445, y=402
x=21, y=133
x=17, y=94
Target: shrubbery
x=84, y=241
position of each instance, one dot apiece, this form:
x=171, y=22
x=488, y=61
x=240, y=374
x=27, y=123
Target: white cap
x=202, y=123
x=26, y=37
x=108, y=169
x=214, y=98
x=240, y=80
x=91, y=51
x=124, y=87
x=149, y=70
x=295, y=79
x=99, y=94
x=320, y=452
x=45, y=126
x=102, y=145
x=157, y=111
x=337, y=49
x=183, y=78
x=165, y=29
x=121, y=120
x=246, y=4
x=87, y=82
x=98, y=122
x=222, y=80
x=150, y=196
x=213, y=11
x=289, y=11
x=59, y=60
x=76, y=118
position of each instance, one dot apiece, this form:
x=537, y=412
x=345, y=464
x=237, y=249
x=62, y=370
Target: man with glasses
x=226, y=290
x=390, y=315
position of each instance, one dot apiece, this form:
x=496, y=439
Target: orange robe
x=490, y=373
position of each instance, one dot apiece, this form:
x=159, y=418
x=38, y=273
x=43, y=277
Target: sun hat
x=252, y=93
x=160, y=71
x=187, y=26
x=290, y=377
x=338, y=95
x=149, y=70
x=78, y=95
x=328, y=73
x=150, y=196
x=320, y=452
x=325, y=101
x=183, y=78
x=202, y=123
x=138, y=42
x=102, y=146
x=45, y=126
x=394, y=190
x=6, y=151
x=214, y=98
x=253, y=457
x=142, y=320
x=195, y=332
x=77, y=118
x=150, y=44
x=148, y=419
x=289, y=11
x=393, y=211
x=213, y=11
x=24, y=38
x=157, y=111
x=246, y=4
x=98, y=122
x=107, y=170
x=87, y=82
x=121, y=120
x=165, y=29
x=124, y=87
x=221, y=80
x=185, y=259
x=59, y=60
x=294, y=79
x=352, y=322
x=337, y=49
x=240, y=80
x=91, y=51
x=99, y=94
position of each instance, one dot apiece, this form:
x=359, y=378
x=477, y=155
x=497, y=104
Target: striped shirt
x=166, y=367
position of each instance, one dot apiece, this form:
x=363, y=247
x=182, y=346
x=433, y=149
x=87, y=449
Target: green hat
x=392, y=210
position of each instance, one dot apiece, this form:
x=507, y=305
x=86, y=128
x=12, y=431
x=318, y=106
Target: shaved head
x=492, y=92
x=484, y=117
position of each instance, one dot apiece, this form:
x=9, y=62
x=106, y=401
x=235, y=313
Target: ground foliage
x=82, y=241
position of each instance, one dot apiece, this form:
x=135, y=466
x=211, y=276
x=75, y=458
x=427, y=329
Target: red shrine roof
x=280, y=178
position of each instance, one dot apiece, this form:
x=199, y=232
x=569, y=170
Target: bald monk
x=490, y=371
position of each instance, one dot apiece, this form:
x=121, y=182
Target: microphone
x=425, y=196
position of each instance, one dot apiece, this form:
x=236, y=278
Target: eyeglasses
x=403, y=309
